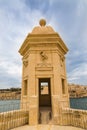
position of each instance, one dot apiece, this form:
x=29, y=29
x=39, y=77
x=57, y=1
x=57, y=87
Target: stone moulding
x=34, y=39
x=44, y=68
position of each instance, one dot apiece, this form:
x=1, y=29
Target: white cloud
x=11, y=69
x=78, y=75
x=17, y=19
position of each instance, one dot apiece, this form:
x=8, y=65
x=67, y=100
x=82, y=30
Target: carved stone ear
x=25, y=62
x=61, y=60
x=43, y=55
x=41, y=52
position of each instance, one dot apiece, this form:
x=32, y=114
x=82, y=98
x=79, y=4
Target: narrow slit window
x=25, y=87
x=63, y=86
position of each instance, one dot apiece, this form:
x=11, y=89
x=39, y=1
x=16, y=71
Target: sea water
x=78, y=103
x=8, y=105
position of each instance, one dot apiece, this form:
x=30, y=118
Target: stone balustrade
x=74, y=117
x=12, y=119
x=69, y=117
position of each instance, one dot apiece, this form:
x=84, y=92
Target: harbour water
x=8, y=105
x=79, y=103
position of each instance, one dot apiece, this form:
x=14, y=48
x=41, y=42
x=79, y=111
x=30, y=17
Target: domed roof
x=42, y=29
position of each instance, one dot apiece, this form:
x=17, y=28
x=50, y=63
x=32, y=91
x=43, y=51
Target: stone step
x=45, y=117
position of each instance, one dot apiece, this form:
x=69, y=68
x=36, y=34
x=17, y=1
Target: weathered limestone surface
x=12, y=119
x=74, y=117
x=43, y=59
x=43, y=54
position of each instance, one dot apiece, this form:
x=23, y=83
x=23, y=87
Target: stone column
x=33, y=111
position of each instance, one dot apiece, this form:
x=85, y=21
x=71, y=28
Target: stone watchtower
x=44, y=83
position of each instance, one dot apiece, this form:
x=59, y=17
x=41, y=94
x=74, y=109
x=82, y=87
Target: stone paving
x=46, y=127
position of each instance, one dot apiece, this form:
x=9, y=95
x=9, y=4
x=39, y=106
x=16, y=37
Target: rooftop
x=43, y=29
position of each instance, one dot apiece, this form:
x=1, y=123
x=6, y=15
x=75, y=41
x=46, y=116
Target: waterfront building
x=44, y=82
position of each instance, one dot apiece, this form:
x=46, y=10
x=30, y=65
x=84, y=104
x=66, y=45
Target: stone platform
x=46, y=127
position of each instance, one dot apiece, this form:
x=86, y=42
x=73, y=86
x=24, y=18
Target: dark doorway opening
x=45, y=112
x=44, y=92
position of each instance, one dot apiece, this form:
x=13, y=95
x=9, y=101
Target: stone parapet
x=12, y=119
x=74, y=117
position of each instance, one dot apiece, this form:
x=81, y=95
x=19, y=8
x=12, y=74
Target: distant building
x=77, y=90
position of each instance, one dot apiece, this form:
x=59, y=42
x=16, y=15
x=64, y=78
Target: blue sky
x=17, y=19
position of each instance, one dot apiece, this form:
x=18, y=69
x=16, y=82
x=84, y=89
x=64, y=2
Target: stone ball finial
x=42, y=22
